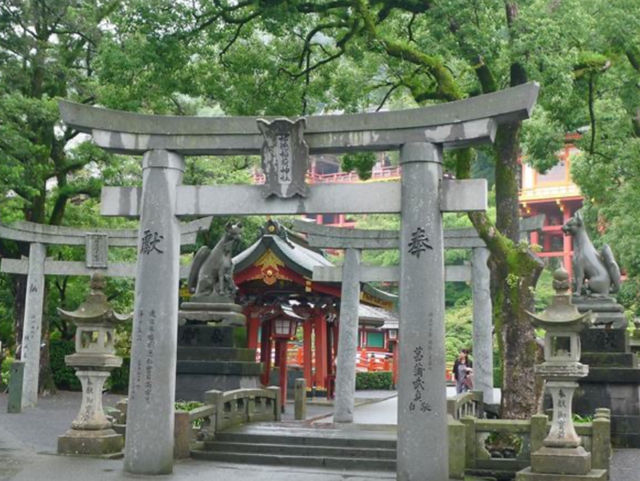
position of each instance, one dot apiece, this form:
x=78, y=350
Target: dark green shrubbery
x=5, y=370
x=374, y=380
x=63, y=375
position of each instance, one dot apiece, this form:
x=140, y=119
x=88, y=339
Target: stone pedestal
x=614, y=376
x=225, y=313
x=91, y=433
x=561, y=460
x=101, y=442
x=209, y=359
x=14, y=404
x=594, y=475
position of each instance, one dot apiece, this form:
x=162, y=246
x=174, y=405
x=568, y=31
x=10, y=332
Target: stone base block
x=225, y=314
x=607, y=311
x=594, y=475
x=604, y=340
x=609, y=359
x=192, y=386
x=561, y=460
x=102, y=443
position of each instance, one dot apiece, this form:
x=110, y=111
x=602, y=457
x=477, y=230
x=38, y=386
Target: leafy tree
x=594, y=89
x=46, y=51
x=297, y=57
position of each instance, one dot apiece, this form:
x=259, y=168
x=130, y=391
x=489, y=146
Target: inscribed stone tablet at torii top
x=285, y=157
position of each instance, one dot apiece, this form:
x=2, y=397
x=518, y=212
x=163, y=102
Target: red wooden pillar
x=566, y=242
x=320, y=327
x=329, y=350
x=330, y=379
x=253, y=325
x=306, y=346
x=265, y=352
x=281, y=352
x=534, y=238
x=276, y=354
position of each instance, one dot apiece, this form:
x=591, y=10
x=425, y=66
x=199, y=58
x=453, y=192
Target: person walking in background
x=462, y=370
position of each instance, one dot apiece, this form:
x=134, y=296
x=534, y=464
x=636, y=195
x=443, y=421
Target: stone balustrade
x=470, y=403
x=220, y=411
x=504, y=461
x=469, y=451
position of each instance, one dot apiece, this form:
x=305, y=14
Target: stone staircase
x=268, y=443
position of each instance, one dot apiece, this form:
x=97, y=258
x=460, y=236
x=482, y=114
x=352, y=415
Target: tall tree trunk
x=515, y=270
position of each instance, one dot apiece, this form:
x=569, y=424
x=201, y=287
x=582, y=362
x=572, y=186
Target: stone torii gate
x=420, y=197
x=97, y=242
x=352, y=273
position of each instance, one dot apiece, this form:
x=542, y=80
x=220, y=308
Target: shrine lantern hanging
x=284, y=328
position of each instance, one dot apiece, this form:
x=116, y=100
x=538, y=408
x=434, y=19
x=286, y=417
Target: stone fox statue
x=212, y=269
x=597, y=271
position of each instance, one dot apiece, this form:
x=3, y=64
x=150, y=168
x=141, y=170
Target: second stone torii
x=352, y=273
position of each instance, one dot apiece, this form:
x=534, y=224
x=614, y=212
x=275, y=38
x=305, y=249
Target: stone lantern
x=95, y=321
x=561, y=453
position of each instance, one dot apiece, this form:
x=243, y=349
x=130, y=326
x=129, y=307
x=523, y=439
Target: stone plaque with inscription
x=96, y=250
x=285, y=157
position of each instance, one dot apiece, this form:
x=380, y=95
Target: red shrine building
x=554, y=195
x=278, y=295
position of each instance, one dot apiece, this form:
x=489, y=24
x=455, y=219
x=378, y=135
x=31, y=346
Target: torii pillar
x=149, y=440
x=422, y=398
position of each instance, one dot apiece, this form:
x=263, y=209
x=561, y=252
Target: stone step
x=204, y=353
x=330, y=462
x=309, y=439
x=302, y=450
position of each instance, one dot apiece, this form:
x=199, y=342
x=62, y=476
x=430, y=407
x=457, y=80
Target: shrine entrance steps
x=353, y=447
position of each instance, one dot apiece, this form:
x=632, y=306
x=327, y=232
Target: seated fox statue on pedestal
x=596, y=272
x=211, y=273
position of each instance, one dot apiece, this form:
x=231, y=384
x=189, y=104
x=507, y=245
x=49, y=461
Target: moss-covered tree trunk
x=515, y=270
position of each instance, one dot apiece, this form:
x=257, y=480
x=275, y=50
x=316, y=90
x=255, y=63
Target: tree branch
x=387, y=95
x=447, y=88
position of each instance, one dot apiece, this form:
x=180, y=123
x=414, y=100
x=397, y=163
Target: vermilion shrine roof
x=280, y=255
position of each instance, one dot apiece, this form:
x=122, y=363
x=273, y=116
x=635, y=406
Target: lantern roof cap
x=96, y=308
x=562, y=314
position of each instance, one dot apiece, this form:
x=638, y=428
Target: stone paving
x=28, y=443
